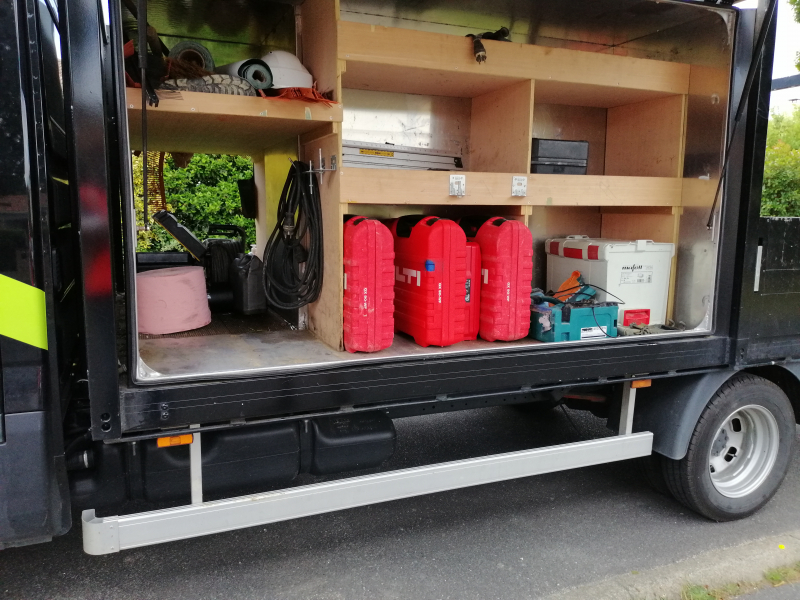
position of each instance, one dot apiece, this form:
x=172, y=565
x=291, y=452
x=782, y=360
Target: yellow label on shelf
x=376, y=152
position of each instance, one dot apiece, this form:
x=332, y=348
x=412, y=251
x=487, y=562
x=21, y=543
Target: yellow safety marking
x=23, y=316
x=375, y=152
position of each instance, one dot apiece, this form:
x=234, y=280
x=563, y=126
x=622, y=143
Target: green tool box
x=569, y=322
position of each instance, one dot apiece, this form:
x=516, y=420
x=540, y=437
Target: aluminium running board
x=104, y=535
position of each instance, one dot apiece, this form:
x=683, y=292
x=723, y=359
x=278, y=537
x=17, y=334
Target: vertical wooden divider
x=320, y=22
x=320, y=42
x=325, y=315
x=501, y=130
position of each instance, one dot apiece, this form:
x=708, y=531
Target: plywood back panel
x=646, y=139
x=657, y=224
x=579, y=123
x=500, y=130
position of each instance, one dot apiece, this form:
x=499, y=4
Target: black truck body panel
x=34, y=498
x=395, y=382
x=88, y=128
x=766, y=305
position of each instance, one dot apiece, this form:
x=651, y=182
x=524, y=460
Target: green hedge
x=781, y=192
x=203, y=193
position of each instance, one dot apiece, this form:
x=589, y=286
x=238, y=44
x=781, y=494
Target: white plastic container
x=637, y=272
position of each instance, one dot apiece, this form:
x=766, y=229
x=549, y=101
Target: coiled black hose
x=292, y=271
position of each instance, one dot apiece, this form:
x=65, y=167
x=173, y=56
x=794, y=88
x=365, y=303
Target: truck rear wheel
x=739, y=452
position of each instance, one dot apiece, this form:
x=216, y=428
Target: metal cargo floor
x=180, y=357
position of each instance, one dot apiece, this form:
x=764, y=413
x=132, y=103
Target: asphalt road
x=519, y=539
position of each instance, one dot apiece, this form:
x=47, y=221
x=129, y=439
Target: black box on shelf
x=559, y=156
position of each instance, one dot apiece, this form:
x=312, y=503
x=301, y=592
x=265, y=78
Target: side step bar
x=104, y=535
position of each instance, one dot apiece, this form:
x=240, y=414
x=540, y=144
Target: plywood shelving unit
x=633, y=110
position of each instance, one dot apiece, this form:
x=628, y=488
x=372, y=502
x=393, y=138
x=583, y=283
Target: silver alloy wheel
x=744, y=451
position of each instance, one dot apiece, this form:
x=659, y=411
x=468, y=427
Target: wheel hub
x=720, y=443
x=744, y=451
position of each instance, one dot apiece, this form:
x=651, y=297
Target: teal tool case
x=572, y=322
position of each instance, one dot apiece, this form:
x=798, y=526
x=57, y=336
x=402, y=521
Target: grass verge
x=772, y=577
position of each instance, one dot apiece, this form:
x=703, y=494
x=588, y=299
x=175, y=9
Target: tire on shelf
x=739, y=452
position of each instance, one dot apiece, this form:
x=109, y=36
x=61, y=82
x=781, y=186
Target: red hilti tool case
x=430, y=279
x=368, y=285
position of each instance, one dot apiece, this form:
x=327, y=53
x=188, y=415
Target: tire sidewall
x=729, y=400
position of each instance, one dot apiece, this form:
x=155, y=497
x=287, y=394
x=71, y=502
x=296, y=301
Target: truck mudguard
x=794, y=369
x=671, y=407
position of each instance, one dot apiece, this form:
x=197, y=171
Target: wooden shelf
x=418, y=62
x=391, y=186
x=222, y=124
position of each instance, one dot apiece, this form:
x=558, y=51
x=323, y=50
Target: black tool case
x=559, y=157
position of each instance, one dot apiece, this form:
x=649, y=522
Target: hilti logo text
x=408, y=275
x=485, y=273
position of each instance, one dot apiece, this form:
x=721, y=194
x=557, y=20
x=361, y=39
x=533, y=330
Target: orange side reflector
x=639, y=383
x=175, y=440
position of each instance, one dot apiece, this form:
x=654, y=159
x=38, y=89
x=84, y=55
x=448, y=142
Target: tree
x=795, y=4
x=203, y=193
x=780, y=196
